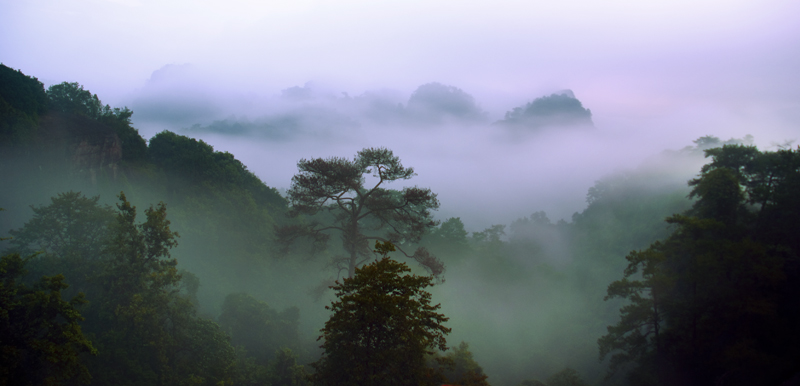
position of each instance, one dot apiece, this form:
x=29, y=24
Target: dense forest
x=160, y=261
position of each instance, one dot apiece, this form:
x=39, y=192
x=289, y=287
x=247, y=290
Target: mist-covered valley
x=539, y=206
x=458, y=147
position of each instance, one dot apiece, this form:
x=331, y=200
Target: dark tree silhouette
x=381, y=328
x=334, y=190
x=716, y=301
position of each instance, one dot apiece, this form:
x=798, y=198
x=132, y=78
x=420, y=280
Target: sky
x=656, y=75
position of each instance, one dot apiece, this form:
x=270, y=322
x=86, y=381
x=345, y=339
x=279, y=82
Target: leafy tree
x=460, y=368
x=336, y=187
x=70, y=236
x=40, y=334
x=381, y=328
x=636, y=336
x=490, y=236
x=713, y=301
x=453, y=232
x=566, y=377
x=220, y=207
x=72, y=98
x=138, y=284
x=134, y=147
x=22, y=102
x=556, y=109
x=285, y=370
x=192, y=164
x=72, y=226
x=199, y=352
x=497, y=261
x=769, y=181
x=448, y=240
x=147, y=333
x=22, y=92
x=253, y=325
x=537, y=238
x=432, y=102
x=142, y=317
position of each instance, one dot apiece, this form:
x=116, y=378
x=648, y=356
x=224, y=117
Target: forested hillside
x=138, y=261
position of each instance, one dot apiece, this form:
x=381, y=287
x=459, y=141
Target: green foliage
x=532, y=382
x=40, y=335
x=625, y=212
x=220, y=208
x=336, y=187
x=452, y=231
x=134, y=147
x=72, y=226
x=721, y=197
x=261, y=330
x=22, y=92
x=636, y=336
x=72, y=98
x=381, y=328
x=556, y=109
x=147, y=333
x=138, y=282
x=191, y=165
x=449, y=241
x=198, y=351
x=459, y=367
x=22, y=102
x=285, y=370
x=196, y=162
x=225, y=213
x=713, y=301
x=145, y=329
x=537, y=237
x=565, y=377
x=70, y=236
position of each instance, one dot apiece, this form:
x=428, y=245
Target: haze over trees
x=226, y=306
x=40, y=334
x=718, y=295
x=561, y=109
x=436, y=103
x=361, y=210
x=306, y=110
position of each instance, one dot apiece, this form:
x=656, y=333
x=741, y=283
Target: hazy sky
x=656, y=74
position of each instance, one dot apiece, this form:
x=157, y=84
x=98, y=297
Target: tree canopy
x=22, y=102
x=72, y=226
x=554, y=110
x=381, y=328
x=337, y=187
x=711, y=303
x=40, y=334
x=145, y=330
x=433, y=102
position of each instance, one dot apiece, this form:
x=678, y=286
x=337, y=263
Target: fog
x=527, y=321
x=436, y=82
x=458, y=147
x=326, y=80
x=525, y=317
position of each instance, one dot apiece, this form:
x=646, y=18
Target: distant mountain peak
x=557, y=110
